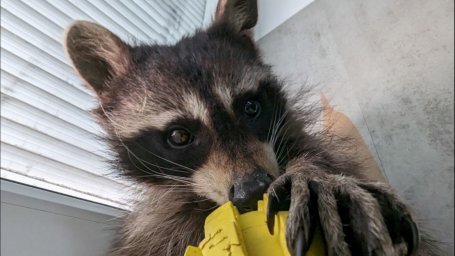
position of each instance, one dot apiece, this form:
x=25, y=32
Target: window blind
x=48, y=137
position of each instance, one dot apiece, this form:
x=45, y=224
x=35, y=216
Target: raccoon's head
x=200, y=114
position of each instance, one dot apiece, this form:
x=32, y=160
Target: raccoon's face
x=199, y=115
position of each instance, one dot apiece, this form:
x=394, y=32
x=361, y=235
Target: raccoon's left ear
x=242, y=14
x=97, y=54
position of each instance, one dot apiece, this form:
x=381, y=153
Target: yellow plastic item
x=229, y=233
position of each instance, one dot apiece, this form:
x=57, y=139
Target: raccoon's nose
x=246, y=191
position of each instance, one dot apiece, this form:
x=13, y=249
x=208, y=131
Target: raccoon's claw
x=299, y=231
x=399, y=221
x=278, y=200
x=271, y=211
x=299, y=246
x=355, y=218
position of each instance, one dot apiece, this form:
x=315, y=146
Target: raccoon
x=205, y=121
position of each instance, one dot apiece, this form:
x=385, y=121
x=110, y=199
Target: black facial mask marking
x=271, y=103
x=151, y=157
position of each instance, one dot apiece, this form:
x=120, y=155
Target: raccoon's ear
x=97, y=54
x=243, y=14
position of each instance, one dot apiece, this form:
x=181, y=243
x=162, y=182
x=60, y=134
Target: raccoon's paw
x=356, y=218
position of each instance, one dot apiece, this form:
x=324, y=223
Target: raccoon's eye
x=179, y=138
x=252, y=108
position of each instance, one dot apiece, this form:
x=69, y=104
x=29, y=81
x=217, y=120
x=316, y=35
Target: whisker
x=274, y=121
x=165, y=159
x=282, y=146
x=274, y=112
x=162, y=175
x=279, y=126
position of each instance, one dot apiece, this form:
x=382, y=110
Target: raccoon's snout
x=246, y=191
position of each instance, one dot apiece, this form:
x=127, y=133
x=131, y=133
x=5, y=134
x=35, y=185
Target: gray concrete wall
x=389, y=65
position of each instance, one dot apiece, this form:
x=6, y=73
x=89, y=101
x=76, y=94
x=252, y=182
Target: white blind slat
x=25, y=92
x=33, y=55
x=52, y=126
x=34, y=18
x=34, y=141
x=136, y=20
x=29, y=33
x=41, y=78
x=119, y=19
x=46, y=165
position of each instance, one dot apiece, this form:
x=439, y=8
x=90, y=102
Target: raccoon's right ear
x=242, y=14
x=97, y=54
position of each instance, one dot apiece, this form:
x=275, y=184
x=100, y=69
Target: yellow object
x=229, y=233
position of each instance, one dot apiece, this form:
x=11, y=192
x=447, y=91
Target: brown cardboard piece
x=339, y=124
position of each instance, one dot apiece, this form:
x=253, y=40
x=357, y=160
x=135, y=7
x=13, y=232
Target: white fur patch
x=225, y=96
x=251, y=78
x=141, y=115
x=129, y=126
x=213, y=181
x=270, y=162
x=196, y=108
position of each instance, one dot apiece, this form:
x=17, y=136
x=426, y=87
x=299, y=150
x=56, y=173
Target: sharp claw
x=410, y=234
x=272, y=209
x=278, y=200
x=299, y=244
x=409, y=230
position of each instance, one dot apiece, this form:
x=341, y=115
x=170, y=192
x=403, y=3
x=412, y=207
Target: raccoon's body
x=206, y=121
